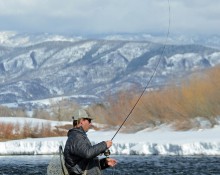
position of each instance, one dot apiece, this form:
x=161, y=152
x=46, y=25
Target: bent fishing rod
x=153, y=74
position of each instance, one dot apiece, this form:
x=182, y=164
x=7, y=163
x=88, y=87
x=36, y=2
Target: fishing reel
x=107, y=153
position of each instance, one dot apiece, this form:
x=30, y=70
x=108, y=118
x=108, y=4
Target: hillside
x=88, y=70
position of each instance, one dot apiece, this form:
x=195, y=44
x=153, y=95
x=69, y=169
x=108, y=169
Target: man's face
x=86, y=124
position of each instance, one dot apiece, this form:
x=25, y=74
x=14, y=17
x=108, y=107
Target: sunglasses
x=89, y=120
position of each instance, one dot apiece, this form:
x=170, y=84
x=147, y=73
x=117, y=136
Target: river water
x=127, y=165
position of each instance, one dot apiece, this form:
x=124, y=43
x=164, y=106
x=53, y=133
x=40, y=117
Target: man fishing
x=80, y=155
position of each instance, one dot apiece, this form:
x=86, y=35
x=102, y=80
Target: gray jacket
x=81, y=155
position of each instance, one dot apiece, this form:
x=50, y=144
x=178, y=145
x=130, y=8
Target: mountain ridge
x=91, y=67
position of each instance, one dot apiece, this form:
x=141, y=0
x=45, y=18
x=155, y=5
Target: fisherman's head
x=82, y=118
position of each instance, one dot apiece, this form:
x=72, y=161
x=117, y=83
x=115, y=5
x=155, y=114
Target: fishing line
x=154, y=72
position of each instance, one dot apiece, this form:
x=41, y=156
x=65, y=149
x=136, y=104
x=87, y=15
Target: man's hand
x=111, y=162
x=108, y=143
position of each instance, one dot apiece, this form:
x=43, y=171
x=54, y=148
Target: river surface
x=127, y=165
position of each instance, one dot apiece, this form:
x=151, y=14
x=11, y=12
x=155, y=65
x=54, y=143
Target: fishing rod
x=154, y=72
x=107, y=152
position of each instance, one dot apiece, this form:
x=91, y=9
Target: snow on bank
x=31, y=121
x=162, y=141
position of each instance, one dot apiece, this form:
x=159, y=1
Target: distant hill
x=87, y=70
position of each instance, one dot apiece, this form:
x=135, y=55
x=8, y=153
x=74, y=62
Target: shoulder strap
x=61, y=159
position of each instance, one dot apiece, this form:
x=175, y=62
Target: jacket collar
x=78, y=130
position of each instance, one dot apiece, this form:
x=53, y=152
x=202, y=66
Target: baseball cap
x=81, y=113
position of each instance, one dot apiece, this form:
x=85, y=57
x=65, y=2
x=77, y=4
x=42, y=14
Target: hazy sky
x=110, y=16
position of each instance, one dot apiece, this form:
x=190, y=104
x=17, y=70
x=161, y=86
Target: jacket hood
x=73, y=130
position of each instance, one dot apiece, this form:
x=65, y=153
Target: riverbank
x=161, y=141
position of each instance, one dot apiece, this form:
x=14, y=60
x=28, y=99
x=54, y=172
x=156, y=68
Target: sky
x=89, y=17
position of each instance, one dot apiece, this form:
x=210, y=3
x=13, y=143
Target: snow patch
x=162, y=141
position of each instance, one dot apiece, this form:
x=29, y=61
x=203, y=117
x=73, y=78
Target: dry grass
x=11, y=131
x=197, y=96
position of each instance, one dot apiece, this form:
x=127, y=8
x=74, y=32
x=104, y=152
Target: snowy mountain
x=34, y=67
